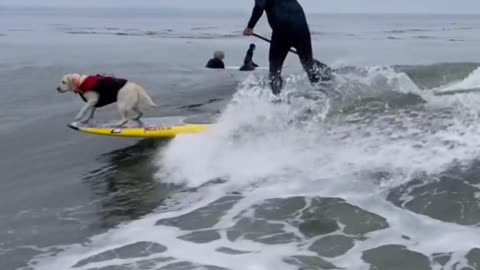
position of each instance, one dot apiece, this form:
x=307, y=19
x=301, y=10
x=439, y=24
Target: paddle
x=319, y=64
x=457, y=91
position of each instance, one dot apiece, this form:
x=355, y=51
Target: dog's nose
x=59, y=90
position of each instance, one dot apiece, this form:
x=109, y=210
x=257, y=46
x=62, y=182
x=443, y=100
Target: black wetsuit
x=290, y=29
x=215, y=63
x=248, y=63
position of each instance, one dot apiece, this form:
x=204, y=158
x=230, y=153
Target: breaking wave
x=314, y=182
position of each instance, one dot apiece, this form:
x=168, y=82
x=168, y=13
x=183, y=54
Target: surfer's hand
x=248, y=32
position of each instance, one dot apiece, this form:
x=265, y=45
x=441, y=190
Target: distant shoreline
x=153, y=10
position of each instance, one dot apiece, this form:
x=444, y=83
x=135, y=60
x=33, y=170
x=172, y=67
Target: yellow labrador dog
x=99, y=90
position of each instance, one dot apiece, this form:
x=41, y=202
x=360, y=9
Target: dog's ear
x=71, y=79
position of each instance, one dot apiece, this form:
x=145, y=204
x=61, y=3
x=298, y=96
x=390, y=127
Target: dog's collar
x=76, y=86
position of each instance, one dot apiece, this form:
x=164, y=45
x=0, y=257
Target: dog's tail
x=145, y=99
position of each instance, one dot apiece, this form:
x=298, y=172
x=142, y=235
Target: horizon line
x=238, y=11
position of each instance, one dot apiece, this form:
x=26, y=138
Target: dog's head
x=69, y=83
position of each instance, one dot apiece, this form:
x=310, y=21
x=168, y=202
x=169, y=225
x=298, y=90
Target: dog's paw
x=83, y=122
x=75, y=124
x=121, y=124
x=140, y=123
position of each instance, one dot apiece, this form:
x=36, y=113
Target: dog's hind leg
x=124, y=120
x=139, y=113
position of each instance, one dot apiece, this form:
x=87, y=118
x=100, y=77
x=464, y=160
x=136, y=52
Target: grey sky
x=363, y=6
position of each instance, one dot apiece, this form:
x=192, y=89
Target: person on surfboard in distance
x=289, y=29
x=248, y=64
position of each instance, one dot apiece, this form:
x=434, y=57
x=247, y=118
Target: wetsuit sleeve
x=257, y=13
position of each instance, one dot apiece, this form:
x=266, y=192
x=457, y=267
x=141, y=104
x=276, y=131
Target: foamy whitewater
x=365, y=179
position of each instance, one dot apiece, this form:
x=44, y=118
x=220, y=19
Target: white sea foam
x=277, y=150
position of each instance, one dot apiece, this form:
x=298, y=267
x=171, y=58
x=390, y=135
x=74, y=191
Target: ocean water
x=383, y=174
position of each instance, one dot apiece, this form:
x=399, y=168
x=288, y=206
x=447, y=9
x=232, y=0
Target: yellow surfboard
x=147, y=128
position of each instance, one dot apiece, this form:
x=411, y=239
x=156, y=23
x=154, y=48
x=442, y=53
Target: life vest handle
x=106, y=75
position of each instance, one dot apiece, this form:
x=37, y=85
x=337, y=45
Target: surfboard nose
x=73, y=126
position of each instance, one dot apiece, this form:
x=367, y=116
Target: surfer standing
x=289, y=29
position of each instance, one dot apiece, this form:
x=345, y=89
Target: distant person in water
x=217, y=61
x=289, y=29
x=248, y=63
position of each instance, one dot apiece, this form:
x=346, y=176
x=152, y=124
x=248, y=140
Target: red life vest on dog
x=106, y=87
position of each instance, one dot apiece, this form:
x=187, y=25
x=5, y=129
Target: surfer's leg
x=303, y=45
x=277, y=54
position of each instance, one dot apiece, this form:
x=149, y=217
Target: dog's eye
x=63, y=82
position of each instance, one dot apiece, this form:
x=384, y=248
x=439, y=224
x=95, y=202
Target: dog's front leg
x=82, y=112
x=90, y=115
x=90, y=105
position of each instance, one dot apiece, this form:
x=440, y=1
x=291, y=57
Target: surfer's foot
x=326, y=75
x=275, y=98
x=276, y=101
x=323, y=86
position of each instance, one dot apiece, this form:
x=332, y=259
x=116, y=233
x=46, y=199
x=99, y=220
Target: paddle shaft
x=269, y=41
x=290, y=49
x=458, y=91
